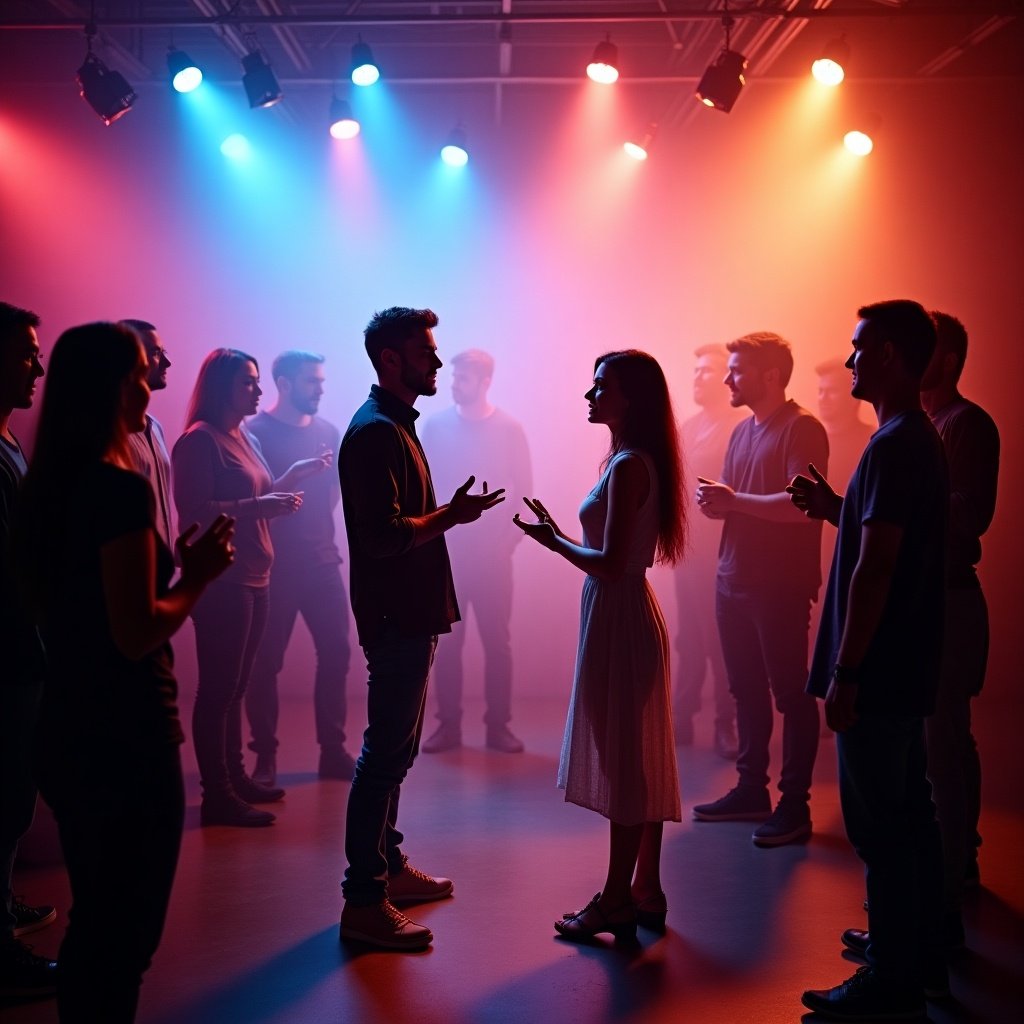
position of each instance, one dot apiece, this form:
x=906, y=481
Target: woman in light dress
x=618, y=755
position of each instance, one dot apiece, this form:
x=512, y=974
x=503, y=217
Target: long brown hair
x=650, y=426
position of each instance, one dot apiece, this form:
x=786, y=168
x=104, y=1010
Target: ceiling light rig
x=260, y=82
x=343, y=124
x=604, y=64
x=454, y=152
x=186, y=75
x=640, y=150
x=106, y=91
x=723, y=80
x=861, y=141
x=364, y=67
x=830, y=67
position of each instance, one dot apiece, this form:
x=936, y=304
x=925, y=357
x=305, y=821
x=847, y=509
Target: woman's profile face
x=245, y=392
x=607, y=402
x=135, y=395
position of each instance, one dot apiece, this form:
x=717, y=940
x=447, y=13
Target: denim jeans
x=890, y=820
x=398, y=667
x=698, y=645
x=317, y=593
x=764, y=642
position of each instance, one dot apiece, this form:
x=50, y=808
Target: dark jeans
x=19, y=710
x=764, y=641
x=229, y=621
x=954, y=767
x=318, y=594
x=698, y=646
x=890, y=820
x=120, y=817
x=487, y=588
x=398, y=669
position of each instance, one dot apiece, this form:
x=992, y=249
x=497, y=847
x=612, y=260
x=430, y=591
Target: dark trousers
x=954, y=767
x=229, y=621
x=890, y=820
x=317, y=593
x=764, y=641
x=487, y=589
x=698, y=646
x=398, y=670
x=120, y=817
x=19, y=710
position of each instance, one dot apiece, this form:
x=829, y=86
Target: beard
x=418, y=383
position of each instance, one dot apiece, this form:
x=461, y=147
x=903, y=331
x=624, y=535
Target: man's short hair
x=13, y=319
x=831, y=366
x=951, y=336
x=138, y=325
x=391, y=328
x=288, y=363
x=715, y=349
x=768, y=350
x=475, y=359
x=907, y=327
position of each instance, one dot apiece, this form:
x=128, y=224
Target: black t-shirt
x=94, y=695
x=901, y=479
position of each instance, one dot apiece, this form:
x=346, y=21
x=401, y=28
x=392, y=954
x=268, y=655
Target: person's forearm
x=776, y=508
x=431, y=526
x=591, y=561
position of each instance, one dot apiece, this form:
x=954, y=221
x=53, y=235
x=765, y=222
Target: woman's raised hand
x=279, y=503
x=545, y=530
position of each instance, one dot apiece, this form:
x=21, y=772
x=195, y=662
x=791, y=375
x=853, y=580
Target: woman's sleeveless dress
x=618, y=755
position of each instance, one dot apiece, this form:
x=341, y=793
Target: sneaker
x=252, y=792
x=790, y=822
x=31, y=919
x=382, y=925
x=23, y=974
x=726, y=744
x=411, y=885
x=229, y=810
x=866, y=996
x=744, y=803
x=265, y=772
x=337, y=764
x=500, y=737
x=445, y=737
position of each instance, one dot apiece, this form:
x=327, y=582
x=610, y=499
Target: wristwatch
x=845, y=676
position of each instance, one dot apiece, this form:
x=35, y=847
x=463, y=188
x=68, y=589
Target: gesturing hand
x=814, y=496
x=840, y=712
x=467, y=508
x=715, y=500
x=204, y=560
x=545, y=530
x=279, y=503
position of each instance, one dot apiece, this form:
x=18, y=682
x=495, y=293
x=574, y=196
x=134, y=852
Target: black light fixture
x=723, y=80
x=604, y=64
x=342, y=123
x=106, y=91
x=364, y=68
x=185, y=74
x=259, y=80
x=830, y=67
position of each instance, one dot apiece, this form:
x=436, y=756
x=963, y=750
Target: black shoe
x=790, y=822
x=866, y=996
x=251, y=792
x=337, y=764
x=744, y=803
x=265, y=772
x=591, y=921
x=229, y=810
x=856, y=941
x=501, y=737
x=23, y=974
x=30, y=919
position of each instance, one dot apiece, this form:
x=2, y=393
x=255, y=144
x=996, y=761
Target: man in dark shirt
x=768, y=574
x=876, y=664
x=22, y=973
x=403, y=597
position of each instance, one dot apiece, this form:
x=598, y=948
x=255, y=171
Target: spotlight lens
x=187, y=79
x=236, y=147
x=858, y=143
x=365, y=74
x=605, y=74
x=635, y=151
x=346, y=128
x=828, y=71
x=454, y=156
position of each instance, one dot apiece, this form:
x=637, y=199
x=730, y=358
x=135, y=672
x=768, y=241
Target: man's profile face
x=307, y=388
x=744, y=379
x=469, y=385
x=156, y=357
x=866, y=361
x=20, y=367
x=707, y=381
x=420, y=363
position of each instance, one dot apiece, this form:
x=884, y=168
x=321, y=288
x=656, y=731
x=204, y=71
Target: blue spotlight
x=343, y=124
x=454, y=152
x=185, y=74
x=364, y=67
x=236, y=147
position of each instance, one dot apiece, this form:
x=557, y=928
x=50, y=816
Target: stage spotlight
x=604, y=64
x=106, y=91
x=723, y=81
x=343, y=124
x=259, y=81
x=859, y=143
x=364, y=68
x=829, y=67
x=454, y=152
x=236, y=147
x=185, y=74
x=639, y=150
